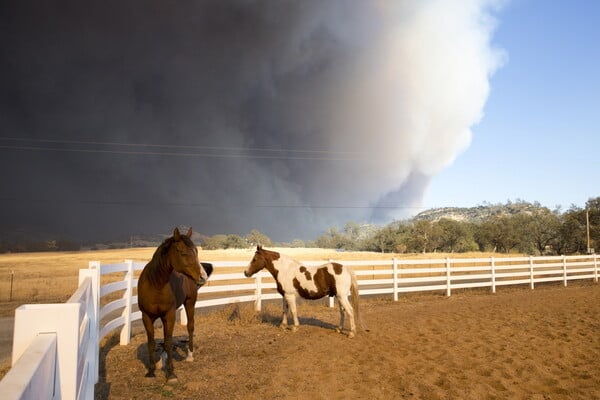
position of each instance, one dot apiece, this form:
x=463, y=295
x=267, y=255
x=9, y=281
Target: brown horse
x=170, y=279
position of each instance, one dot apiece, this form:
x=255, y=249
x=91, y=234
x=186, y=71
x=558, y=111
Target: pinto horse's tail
x=355, y=302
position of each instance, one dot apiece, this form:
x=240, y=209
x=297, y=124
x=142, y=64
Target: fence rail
x=57, y=358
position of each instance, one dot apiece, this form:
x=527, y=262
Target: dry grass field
x=515, y=344
x=52, y=277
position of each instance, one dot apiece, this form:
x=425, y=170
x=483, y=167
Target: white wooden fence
x=56, y=346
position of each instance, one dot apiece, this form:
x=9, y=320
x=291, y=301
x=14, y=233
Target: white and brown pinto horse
x=294, y=279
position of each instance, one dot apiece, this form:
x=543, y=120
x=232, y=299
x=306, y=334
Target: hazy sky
x=122, y=118
x=540, y=135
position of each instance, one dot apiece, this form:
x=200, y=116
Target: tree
x=593, y=208
x=543, y=227
x=497, y=233
x=385, y=240
x=454, y=236
x=332, y=239
x=235, y=242
x=422, y=237
x=215, y=242
x=297, y=243
x=572, y=232
x=255, y=238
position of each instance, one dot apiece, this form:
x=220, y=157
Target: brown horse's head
x=258, y=262
x=183, y=256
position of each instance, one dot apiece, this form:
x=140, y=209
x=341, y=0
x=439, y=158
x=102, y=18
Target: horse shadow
x=273, y=317
x=179, y=350
x=102, y=390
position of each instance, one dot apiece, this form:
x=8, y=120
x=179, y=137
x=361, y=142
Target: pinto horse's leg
x=291, y=299
x=348, y=307
x=149, y=326
x=189, y=311
x=340, y=328
x=169, y=323
x=284, y=319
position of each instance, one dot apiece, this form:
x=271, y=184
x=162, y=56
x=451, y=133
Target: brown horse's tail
x=355, y=302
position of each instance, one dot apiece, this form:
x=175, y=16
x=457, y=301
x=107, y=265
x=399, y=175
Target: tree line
x=536, y=230
x=527, y=229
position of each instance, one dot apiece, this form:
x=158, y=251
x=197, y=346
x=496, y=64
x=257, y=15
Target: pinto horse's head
x=257, y=263
x=183, y=255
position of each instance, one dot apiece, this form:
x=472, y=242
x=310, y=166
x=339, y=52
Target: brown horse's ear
x=176, y=234
x=189, y=233
x=258, y=247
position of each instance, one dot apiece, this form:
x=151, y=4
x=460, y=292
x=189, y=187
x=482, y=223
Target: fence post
x=395, y=279
x=564, y=260
x=448, y=281
x=92, y=351
x=595, y=268
x=258, y=293
x=493, y=266
x=331, y=299
x=531, y=280
x=96, y=273
x=63, y=319
x=94, y=266
x=126, y=331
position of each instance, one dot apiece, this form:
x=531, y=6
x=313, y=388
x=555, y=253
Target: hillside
x=479, y=213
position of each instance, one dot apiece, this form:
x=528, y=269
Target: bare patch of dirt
x=516, y=344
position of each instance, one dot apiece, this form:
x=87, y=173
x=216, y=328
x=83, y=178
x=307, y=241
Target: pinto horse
x=294, y=279
x=170, y=279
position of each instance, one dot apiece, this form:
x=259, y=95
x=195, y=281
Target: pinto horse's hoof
x=190, y=357
x=351, y=335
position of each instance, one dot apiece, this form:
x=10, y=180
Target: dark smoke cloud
x=283, y=116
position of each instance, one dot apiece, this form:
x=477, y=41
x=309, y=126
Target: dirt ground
x=515, y=344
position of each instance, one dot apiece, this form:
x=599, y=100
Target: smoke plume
x=282, y=116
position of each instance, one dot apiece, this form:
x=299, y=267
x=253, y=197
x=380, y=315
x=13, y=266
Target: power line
x=223, y=152
x=201, y=205
x=224, y=148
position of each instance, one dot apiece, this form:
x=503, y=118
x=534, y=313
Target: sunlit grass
x=51, y=277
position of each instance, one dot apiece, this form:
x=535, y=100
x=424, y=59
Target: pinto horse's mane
x=158, y=267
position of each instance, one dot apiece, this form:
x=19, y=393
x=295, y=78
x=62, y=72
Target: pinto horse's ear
x=189, y=233
x=176, y=234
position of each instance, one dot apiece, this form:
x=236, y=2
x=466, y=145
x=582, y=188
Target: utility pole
x=587, y=226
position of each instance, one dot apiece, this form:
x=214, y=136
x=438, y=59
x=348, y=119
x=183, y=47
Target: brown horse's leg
x=189, y=311
x=169, y=323
x=149, y=325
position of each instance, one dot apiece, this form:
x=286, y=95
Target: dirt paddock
x=515, y=344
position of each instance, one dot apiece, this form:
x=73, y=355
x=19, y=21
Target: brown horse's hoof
x=150, y=374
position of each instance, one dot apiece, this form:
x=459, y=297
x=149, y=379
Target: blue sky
x=539, y=139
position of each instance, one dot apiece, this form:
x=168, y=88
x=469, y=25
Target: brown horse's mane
x=159, y=267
